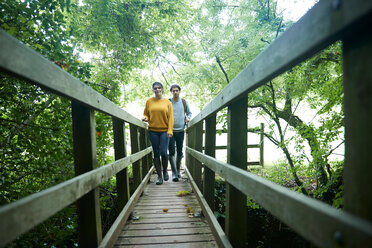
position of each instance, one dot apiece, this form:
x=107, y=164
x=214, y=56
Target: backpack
x=183, y=102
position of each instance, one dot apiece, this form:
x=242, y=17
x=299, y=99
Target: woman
x=159, y=114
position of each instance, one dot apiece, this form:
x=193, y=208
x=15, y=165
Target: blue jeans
x=176, y=139
x=159, y=142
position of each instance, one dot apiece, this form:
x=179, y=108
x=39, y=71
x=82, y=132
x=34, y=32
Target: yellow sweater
x=159, y=113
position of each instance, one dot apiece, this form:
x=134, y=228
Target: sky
x=292, y=10
x=295, y=9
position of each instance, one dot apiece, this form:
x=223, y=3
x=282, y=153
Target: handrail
x=327, y=22
x=20, y=216
x=323, y=222
x=320, y=27
x=114, y=232
x=17, y=215
x=323, y=225
x=30, y=65
x=217, y=231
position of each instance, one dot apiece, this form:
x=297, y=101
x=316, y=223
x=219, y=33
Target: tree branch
x=223, y=70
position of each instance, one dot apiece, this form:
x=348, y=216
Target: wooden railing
x=260, y=145
x=20, y=216
x=328, y=21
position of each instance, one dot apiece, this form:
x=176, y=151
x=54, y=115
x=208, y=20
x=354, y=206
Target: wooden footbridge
x=143, y=220
x=167, y=215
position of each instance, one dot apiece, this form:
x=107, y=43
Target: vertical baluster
x=191, y=141
x=262, y=144
x=236, y=209
x=136, y=166
x=199, y=147
x=210, y=150
x=358, y=118
x=148, y=144
x=88, y=207
x=142, y=145
x=187, y=155
x=122, y=180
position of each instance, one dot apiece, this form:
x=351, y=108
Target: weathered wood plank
x=166, y=199
x=151, y=225
x=190, y=161
x=325, y=23
x=142, y=145
x=85, y=160
x=120, y=151
x=236, y=201
x=165, y=226
x=169, y=188
x=158, y=207
x=201, y=244
x=262, y=136
x=217, y=231
x=115, y=229
x=160, y=198
x=136, y=166
x=165, y=220
x=176, y=202
x=210, y=150
x=165, y=239
x=30, y=65
x=199, y=147
x=160, y=214
x=358, y=120
x=20, y=216
x=323, y=222
x=166, y=232
x=157, y=210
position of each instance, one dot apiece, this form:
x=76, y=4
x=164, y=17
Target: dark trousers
x=159, y=142
x=176, y=140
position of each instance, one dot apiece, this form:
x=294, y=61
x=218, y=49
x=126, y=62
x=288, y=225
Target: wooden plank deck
x=151, y=226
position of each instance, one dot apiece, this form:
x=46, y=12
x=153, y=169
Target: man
x=181, y=116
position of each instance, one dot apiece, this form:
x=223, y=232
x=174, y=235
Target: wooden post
x=236, y=202
x=88, y=207
x=357, y=64
x=187, y=156
x=210, y=150
x=148, y=144
x=142, y=145
x=199, y=147
x=262, y=144
x=122, y=180
x=136, y=166
x=191, y=144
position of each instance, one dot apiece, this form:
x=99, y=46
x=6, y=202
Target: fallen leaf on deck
x=136, y=217
x=183, y=193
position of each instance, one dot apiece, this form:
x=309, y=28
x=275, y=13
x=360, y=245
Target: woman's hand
x=169, y=135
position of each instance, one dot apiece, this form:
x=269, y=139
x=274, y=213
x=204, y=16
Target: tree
x=36, y=147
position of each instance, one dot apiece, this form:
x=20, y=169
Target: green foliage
x=36, y=147
x=200, y=45
x=333, y=191
x=59, y=230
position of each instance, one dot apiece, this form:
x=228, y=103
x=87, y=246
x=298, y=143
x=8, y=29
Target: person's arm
x=146, y=113
x=188, y=113
x=170, y=120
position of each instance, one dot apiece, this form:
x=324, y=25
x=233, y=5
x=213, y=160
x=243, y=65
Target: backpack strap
x=183, y=103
